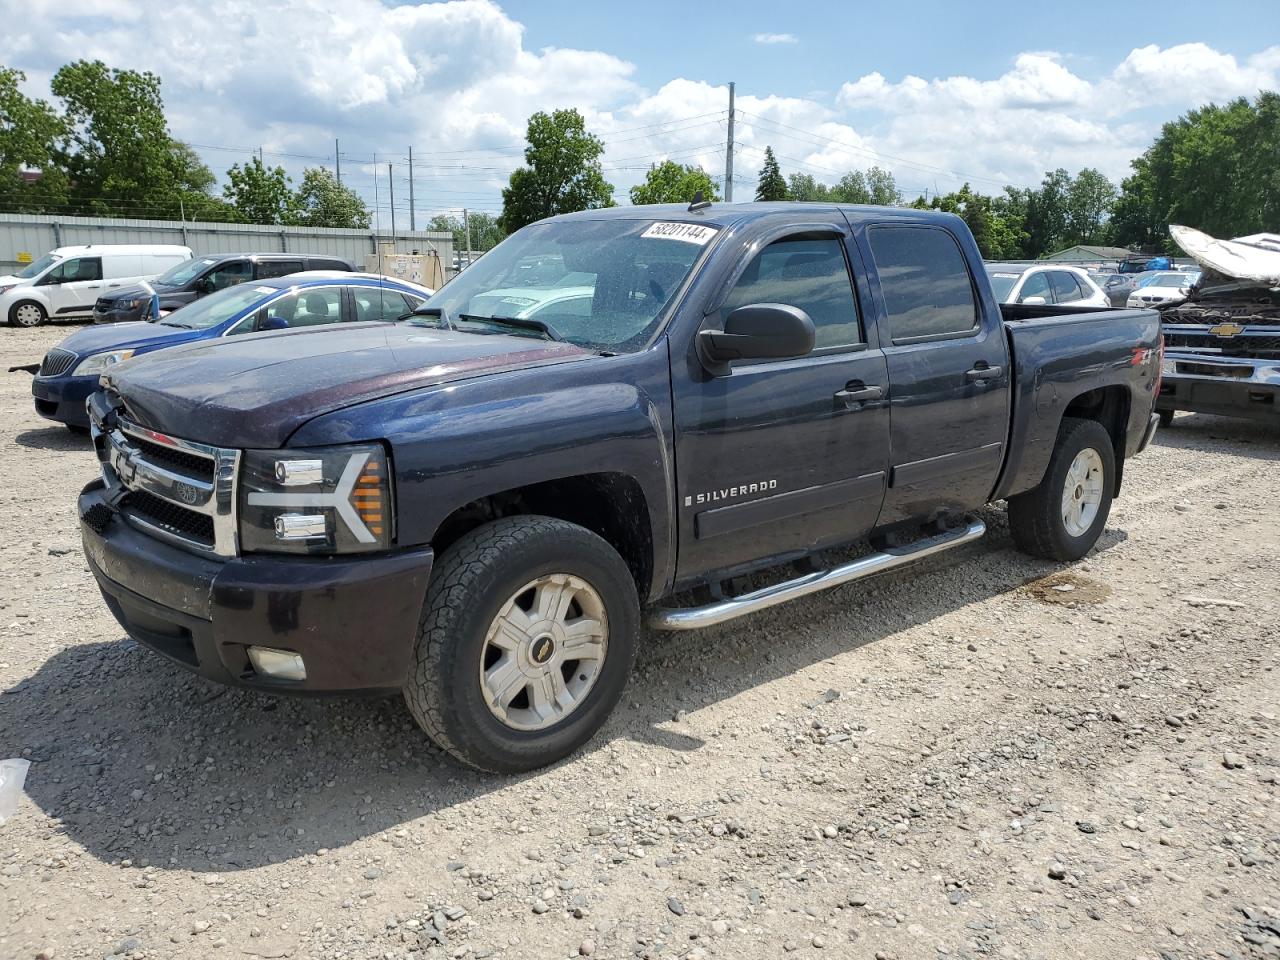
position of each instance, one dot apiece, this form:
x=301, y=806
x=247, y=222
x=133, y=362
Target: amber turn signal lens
x=369, y=496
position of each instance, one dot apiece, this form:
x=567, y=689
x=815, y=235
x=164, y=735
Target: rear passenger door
x=948, y=374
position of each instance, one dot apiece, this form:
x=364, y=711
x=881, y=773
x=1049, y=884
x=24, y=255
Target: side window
x=809, y=274
x=229, y=274
x=1037, y=285
x=75, y=270
x=375, y=303
x=925, y=283
x=320, y=263
x=306, y=308
x=1065, y=288
x=278, y=268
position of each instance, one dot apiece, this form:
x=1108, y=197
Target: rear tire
x=1063, y=517
x=525, y=644
x=27, y=313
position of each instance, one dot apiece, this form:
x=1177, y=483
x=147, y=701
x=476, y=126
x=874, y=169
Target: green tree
x=485, y=230
x=1090, y=197
x=671, y=182
x=1216, y=168
x=771, y=185
x=261, y=194
x=882, y=188
x=321, y=201
x=30, y=133
x=803, y=187
x=118, y=154
x=851, y=188
x=562, y=172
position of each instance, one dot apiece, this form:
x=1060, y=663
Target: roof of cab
x=122, y=248
x=725, y=214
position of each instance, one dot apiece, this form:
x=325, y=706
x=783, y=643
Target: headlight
x=131, y=304
x=319, y=500
x=99, y=362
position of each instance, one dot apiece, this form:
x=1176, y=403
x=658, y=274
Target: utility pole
x=728, y=153
x=466, y=226
x=260, y=155
x=412, y=222
x=337, y=162
x=391, y=199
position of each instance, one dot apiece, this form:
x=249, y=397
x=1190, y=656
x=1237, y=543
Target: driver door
x=784, y=456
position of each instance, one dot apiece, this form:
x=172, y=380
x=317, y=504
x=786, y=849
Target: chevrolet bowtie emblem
x=1228, y=329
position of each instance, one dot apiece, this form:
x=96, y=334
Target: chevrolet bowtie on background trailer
x=478, y=505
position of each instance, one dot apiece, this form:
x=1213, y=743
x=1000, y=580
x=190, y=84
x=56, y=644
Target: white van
x=65, y=283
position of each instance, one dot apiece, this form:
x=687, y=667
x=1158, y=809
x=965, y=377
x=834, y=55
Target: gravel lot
x=981, y=755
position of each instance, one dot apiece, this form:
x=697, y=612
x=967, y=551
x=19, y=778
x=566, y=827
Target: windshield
x=218, y=307
x=1002, y=282
x=184, y=272
x=601, y=284
x=38, y=267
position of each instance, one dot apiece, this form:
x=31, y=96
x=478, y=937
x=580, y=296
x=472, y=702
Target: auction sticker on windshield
x=688, y=232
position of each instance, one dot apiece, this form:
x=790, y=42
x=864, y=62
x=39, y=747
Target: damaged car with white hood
x=1222, y=341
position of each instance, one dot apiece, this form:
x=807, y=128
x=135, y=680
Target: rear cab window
x=925, y=283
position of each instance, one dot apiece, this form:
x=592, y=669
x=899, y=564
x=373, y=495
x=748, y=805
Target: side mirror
x=274, y=323
x=758, y=331
x=203, y=286
x=1033, y=301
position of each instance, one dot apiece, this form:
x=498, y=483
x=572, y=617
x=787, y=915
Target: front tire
x=525, y=644
x=27, y=313
x=1166, y=417
x=1063, y=517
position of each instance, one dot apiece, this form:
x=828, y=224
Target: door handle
x=982, y=371
x=855, y=391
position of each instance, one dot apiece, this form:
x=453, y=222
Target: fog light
x=281, y=664
x=1168, y=367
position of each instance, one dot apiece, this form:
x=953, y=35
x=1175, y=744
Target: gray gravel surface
x=983, y=755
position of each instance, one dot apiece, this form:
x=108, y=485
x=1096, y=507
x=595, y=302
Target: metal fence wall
x=37, y=235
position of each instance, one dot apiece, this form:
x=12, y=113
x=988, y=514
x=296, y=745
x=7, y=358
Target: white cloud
x=771, y=38
x=457, y=80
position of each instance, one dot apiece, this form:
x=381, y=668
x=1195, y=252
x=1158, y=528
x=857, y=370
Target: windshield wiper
x=439, y=312
x=522, y=323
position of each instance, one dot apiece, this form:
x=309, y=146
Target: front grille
x=57, y=362
x=1237, y=346
x=179, y=461
x=103, y=305
x=185, y=492
x=170, y=517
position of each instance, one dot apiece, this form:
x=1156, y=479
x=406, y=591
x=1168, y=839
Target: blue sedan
x=69, y=372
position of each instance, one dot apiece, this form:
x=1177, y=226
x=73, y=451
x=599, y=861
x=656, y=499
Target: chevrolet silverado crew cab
x=480, y=504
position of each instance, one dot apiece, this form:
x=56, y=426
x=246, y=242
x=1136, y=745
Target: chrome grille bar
x=126, y=464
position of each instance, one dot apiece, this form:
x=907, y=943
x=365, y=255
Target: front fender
x=457, y=443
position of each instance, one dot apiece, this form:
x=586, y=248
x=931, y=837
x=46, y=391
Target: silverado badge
x=1228, y=329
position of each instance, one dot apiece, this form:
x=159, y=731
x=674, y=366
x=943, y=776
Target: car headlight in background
x=100, y=361
x=317, y=500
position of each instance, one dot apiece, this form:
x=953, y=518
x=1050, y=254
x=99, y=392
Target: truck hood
x=1254, y=258
x=125, y=336
x=256, y=390
x=137, y=291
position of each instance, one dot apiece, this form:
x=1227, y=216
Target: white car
x=1034, y=283
x=1162, y=286
x=66, y=283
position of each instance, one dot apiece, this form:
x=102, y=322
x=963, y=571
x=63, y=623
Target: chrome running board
x=695, y=618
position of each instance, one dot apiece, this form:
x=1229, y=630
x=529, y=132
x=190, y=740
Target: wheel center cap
x=542, y=649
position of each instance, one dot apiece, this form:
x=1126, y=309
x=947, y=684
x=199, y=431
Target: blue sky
x=938, y=93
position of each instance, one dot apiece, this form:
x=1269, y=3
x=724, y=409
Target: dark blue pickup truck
x=663, y=412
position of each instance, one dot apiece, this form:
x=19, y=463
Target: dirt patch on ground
x=1067, y=588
